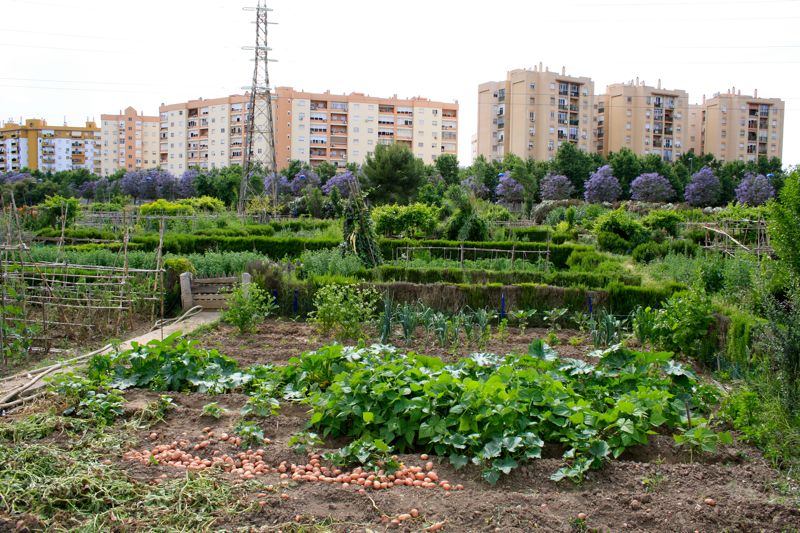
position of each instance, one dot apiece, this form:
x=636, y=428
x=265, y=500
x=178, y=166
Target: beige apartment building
x=203, y=133
x=34, y=144
x=533, y=112
x=741, y=127
x=309, y=127
x=129, y=141
x=342, y=129
x=644, y=119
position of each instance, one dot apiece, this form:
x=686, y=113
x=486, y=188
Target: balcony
x=339, y=119
x=318, y=105
x=386, y=109
x=318, y=152
x=448, y=114
x=338, y=141
x=338, y=130
x=563, y=107
x=573, y=122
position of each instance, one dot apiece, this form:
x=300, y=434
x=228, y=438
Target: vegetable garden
x=444, y=365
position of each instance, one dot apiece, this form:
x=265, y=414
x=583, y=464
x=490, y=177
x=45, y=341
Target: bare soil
x=654, y=488
x=276, y=341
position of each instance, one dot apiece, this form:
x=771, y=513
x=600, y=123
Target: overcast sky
x=62, y=59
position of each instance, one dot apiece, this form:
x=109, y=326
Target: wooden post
x=461, y=260
x=186, y=291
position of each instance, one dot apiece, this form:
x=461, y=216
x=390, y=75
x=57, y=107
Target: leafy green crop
x=497, y=412
x=173, y=364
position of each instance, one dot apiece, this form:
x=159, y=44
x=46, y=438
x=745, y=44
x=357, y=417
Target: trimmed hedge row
x=559, y=253
x=477, y=276
x=533, y=234
x=276, y=247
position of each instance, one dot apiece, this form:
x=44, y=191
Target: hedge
x=622, y=299
x=558, y=252
x=276, y=247
x=479, y=276
x=533, y=234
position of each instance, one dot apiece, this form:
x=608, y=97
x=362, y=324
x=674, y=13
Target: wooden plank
x=211, y=289
x=201, y=281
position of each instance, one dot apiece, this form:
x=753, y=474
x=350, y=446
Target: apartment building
x=533, y=112
x=741, y=127
x=203, y=133
x=35, y=145
x=342, y=129
x=644, y=119
x=695, y=129
x=129, y=141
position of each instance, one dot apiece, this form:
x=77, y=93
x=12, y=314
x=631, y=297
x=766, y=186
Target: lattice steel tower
x=259, y=152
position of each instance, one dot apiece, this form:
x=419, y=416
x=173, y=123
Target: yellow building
x=129, y=141
x=740, y=127
x=644, y=119
x=36, y=145
x=533, y=112
x=342, y=129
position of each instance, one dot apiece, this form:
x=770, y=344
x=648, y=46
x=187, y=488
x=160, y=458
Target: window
x=355, y=129
x=420, y=144
x=369, y=142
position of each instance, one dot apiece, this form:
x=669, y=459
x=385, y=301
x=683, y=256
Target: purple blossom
x=508, y=189
x=556, y=187
x=652, y=187
x=754, y=190
x=303, y=179
x=704, y=188
x=602, y=186
x=341, y=182
x=478, y=188
x=165, y=184
x=186, y=188
x=282, y=184
x=147, y=184
x=13, y=177
x=87, y=189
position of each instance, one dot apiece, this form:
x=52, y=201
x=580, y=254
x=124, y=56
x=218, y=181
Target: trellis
x=732, y=236
x=44, y=302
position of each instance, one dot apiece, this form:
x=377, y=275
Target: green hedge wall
x=275, y=247
x=558, y=252
x=534, y=234
x=476, y=276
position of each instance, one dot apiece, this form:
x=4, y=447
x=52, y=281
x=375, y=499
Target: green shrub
x=271, y=246
x=248, y=305
x=684, y=323
x=179, y=265
x=405, y=220
x=648, y=251
x=52, y=211
x=207, y=204
x=663, y=220
x=617, y=231
x=163, y=207
x=343, y=309
x=329, y=262
x=612, y=242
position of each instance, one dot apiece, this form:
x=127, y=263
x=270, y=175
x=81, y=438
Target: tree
x=754, y=189
x=393, y=174
x=556, y=187
x=325, y=170
x=295, y=166
x=652, y=187
x=447, y=166
x=475, y=186
x=602, y=186
x=509, y=190
x=704, y=189
x=784, y=224
x=626, y=167
x=574, y=164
